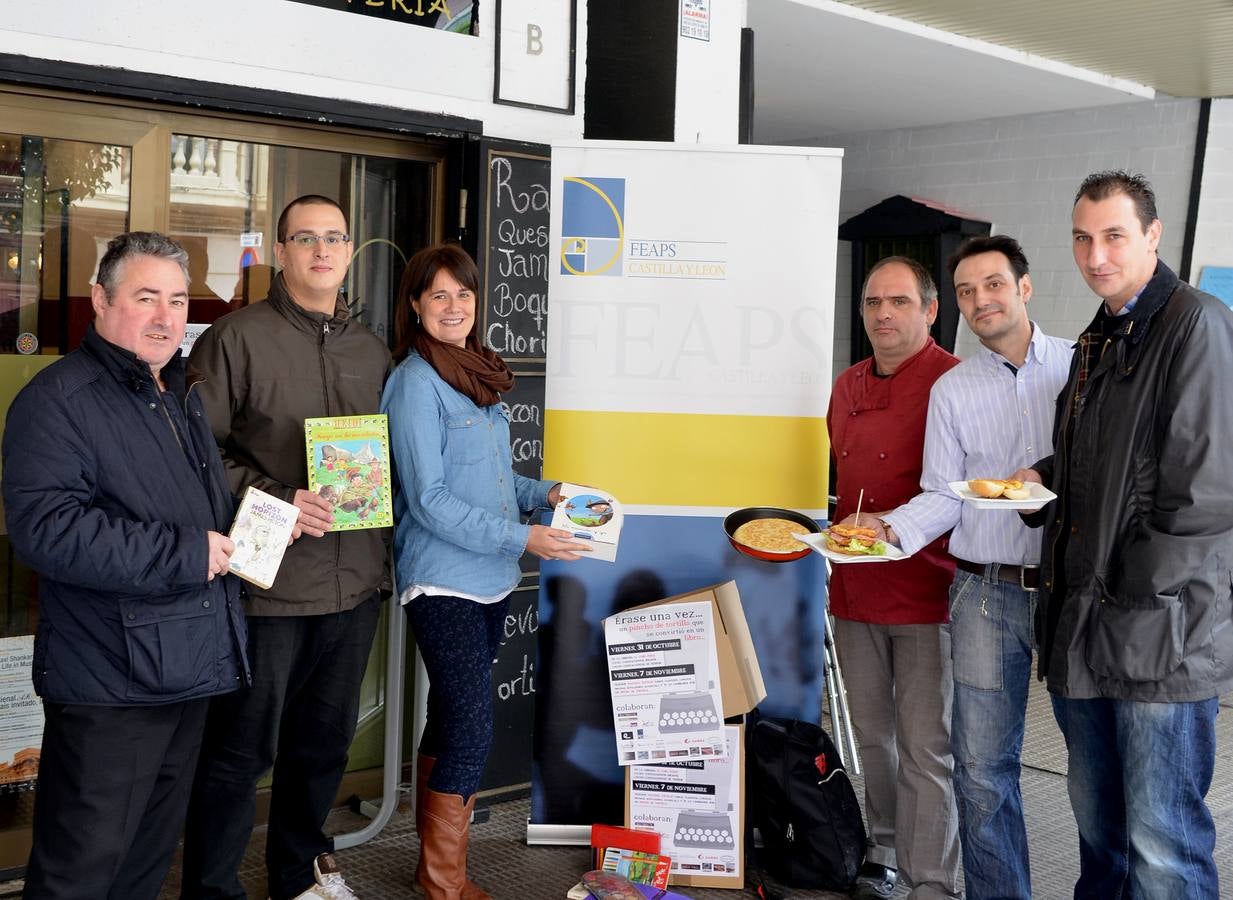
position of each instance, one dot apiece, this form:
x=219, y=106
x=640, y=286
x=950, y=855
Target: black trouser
x=113, y=786
x=299, y=717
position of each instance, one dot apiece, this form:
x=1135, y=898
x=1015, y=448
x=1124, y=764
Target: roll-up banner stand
x=689, y=369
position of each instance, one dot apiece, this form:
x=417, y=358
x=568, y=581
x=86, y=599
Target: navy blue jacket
x=108, y=495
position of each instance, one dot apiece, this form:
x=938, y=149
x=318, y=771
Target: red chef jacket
x=877, y=431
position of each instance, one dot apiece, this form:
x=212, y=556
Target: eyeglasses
x=308, y=240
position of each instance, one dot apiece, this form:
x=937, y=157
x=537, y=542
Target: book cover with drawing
x=590, y=515
x=349, y=465
x=261, y=530
x=637, y=866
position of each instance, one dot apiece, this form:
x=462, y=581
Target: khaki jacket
x=263, y=370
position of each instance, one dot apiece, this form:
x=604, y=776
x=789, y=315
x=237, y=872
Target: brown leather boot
x=444, y=833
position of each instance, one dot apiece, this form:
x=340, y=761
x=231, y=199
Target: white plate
x=1040, y=496
x=818, y=543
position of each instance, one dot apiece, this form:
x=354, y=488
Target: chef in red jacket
x=890, y=618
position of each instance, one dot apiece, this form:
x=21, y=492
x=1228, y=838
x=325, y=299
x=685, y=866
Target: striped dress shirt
x=985, y=421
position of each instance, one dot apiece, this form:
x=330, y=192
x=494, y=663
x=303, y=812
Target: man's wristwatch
x=888, y=533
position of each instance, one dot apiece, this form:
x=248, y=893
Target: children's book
x=637, y=866
x=349, y=465
x=591, y=516
x=605, y=836
x=260, y=532
x=610, y=886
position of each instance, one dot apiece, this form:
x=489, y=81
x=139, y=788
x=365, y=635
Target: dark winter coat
x=108, y=495
x=1137, y=563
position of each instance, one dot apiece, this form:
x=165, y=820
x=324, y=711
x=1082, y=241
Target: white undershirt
x=430, y=590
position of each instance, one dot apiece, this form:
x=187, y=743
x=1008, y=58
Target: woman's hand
x=554, y=495
x=553, y=543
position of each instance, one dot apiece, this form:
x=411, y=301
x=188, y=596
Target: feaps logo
x=592, y=226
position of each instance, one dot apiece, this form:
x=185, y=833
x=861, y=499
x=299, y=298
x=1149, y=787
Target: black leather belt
x=1027, y=577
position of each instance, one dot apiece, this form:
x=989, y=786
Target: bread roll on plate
x=993, y=488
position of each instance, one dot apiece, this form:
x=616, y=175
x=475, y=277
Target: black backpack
x=802, y=802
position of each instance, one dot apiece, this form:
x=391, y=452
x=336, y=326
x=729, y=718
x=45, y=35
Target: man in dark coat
x=1134, y=616
x=114, y=492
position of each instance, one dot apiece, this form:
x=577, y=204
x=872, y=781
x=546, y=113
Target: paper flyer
x=21, y=715
x=695, y=805
x=663, y=674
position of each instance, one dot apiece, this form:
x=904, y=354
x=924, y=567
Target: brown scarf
x=474, y=370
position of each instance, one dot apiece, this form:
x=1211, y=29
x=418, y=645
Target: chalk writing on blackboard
x=518, y=679
x=516, y=270
x=514, y=678
x=524, y=405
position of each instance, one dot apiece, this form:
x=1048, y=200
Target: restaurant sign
x=444, y=15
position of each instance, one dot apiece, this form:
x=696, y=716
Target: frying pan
x=737, y=518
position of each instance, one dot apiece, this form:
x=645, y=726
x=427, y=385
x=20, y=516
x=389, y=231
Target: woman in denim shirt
x=457, y=540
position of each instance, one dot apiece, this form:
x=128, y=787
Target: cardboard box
x=741, y=688
x=698, y=807
x=740, y=677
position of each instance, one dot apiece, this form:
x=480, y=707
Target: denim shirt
x=456, y=522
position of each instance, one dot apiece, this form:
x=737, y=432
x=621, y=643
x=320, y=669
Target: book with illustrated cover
x=590, y=515
x=638, y=866
x=349, y=465
x=260, y=532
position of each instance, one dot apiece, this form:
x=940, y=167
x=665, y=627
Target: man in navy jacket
x=114, y=492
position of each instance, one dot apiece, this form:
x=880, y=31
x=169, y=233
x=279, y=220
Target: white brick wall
x=1213, y=238
x=1021, y=173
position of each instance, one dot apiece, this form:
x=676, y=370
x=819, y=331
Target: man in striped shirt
x=991, y=414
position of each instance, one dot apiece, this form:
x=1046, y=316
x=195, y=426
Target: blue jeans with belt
x=1137, y=777
x=991, y=651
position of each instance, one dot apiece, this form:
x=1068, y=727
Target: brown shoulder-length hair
x=418, y=277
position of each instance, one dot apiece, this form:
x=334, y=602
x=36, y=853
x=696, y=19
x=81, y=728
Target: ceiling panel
x=824, y=68
x=1179, y=47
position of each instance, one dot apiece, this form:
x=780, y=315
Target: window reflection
x=225, y=200
x=60, y=202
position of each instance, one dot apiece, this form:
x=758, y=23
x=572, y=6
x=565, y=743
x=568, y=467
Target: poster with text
x=695, y=805
x=21, y=715
x=663, y=672
x=688, y=371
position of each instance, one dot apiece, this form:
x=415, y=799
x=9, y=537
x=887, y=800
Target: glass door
x=60, y=202
x=73, y=174
x=226, y=196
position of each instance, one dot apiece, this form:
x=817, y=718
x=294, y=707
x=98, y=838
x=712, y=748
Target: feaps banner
x=688, y=374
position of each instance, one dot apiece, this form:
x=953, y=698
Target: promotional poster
x=664, y=675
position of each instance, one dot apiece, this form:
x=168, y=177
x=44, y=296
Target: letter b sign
x=535, y=39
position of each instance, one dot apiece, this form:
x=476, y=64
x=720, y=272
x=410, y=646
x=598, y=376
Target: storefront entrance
x=73, y=174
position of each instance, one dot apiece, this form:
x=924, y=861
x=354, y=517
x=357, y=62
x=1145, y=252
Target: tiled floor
x=501, y=861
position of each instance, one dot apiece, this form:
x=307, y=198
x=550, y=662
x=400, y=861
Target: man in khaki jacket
x=264, y=369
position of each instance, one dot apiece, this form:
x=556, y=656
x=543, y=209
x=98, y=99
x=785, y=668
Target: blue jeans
x=991, y=650
x=1137, y=778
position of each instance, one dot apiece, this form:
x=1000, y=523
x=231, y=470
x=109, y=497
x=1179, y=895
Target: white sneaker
x=330, y=883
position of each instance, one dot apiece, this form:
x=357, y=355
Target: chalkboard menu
x=514, y=262
x=513, y=693
x=525, y=405
x=516, y=254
